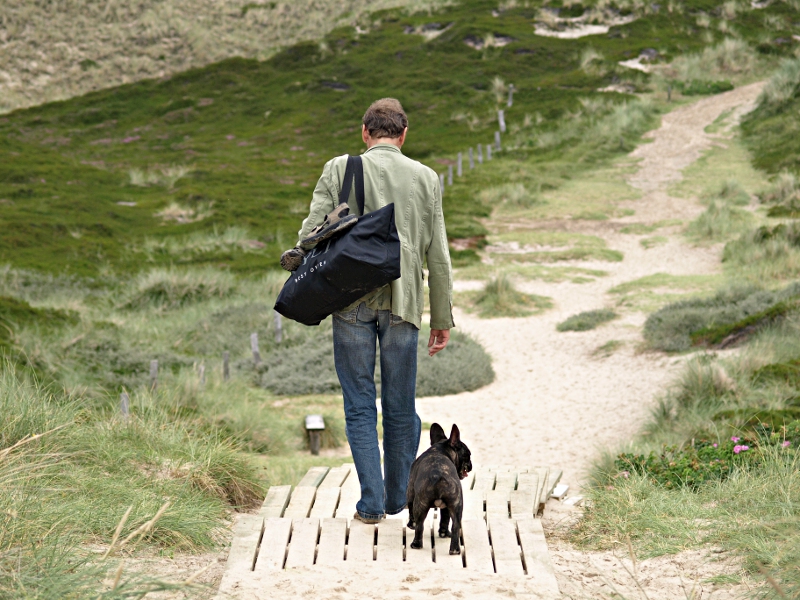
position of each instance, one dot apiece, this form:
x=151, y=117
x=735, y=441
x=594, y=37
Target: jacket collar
x=389, y=147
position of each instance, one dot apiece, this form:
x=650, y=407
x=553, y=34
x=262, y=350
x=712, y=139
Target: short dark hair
x=385, y=118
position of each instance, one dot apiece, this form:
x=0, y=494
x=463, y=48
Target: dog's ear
x=455, y=435
x=437, y=434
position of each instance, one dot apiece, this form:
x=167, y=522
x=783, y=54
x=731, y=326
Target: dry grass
x=56, y=50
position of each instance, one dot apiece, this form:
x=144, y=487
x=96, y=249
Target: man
x=393, y=313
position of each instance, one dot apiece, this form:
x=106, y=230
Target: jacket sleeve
x=440, y=271
x=324, y=200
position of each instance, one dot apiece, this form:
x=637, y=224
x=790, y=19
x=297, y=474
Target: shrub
x=683, y=324
x=697, y=87
x=732, y=192
x=766, y=253
x=172, y=288
x=729, y=57
x=784, y=194
x=463, y=366
x=783, y=84
x=587, y=320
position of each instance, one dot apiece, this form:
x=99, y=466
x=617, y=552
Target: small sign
x=314, y=423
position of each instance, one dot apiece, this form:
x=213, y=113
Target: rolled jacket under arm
x=391, y=177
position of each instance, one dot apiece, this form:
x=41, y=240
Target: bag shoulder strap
x=354, y=169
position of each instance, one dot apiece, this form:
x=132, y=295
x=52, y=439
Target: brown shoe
x=358, y=517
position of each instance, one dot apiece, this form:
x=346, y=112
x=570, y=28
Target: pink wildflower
x=715, y=445
x=786, y=444
x=131, y=138
x=735, y=439
x=230, y=137
x=626, y=474
x=737, y=449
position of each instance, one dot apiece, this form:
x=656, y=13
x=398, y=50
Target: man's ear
x=455, y=435
x=437, y=434
x=364, y=134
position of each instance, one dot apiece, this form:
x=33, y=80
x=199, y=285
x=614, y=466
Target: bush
x=766, y=253
x=783, y=84
x=587, y=320
x=172, y=288
x=681, y=325
x=697, y=87
x=463, y=366
x=714, y=64
x=784, y=194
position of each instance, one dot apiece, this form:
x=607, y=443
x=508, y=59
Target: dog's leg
x=410, y=504
x=444, y=522
x=420, y=513
x=456, y=512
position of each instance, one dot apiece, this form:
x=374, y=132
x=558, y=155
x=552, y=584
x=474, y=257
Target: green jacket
x=389, y=176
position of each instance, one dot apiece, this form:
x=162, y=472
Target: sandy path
x=552, y=403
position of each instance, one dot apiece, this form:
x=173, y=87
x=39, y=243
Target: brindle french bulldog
x=435, y=482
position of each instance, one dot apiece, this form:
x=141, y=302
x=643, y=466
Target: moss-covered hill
x=216, y=165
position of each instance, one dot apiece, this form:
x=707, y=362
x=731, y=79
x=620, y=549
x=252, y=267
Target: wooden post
x=471, y=159
x=480, y=154
x=124, y=406
x=202, y=373
x=441, y=183
x=278, y=327
x=226, y=368
x=669, y=93
x=254, y=348
x=501, y=120
x=489, y=152
x=510, y=95
x=497, y=141
x=459, y=169
x=315, y=425
x=153, y=375
x=449, y=174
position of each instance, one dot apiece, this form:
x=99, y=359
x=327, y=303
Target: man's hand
x=438, y=340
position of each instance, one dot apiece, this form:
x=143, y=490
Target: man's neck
x=386, y=140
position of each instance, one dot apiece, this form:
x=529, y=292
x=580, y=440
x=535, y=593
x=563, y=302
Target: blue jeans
x=354, y=335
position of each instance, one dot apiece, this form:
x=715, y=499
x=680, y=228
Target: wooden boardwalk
x=312, y=526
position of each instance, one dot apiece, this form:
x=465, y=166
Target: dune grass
x=500, y=298
x=719, y=222
x=587, y=320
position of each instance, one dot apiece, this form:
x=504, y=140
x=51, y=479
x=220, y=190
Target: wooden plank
x=528, y=482
x=272, y=552
x=484, y=481
x=542, y=472
x=390, y=541
x=473, y=504
x=325, y=502
x=351, y=494
x=246, y=537
x=360, y=543
x=497, y=504
x=507, y=554
x=335, y=477
x=537, y=556
x=303, y=544
x=466, y=483
x=504, y=469
x=477, y=550
x=276, y=501
x=505, y=481
x=332, y=539
x=552, y=482
x=300, y=503
x=441, y=552
x=422, y=557
x=314, y=477
x=522, y=504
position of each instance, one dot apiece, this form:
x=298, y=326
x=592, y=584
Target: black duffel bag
x=344, y=268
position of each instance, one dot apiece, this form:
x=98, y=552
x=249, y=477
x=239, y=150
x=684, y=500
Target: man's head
x=384, y=122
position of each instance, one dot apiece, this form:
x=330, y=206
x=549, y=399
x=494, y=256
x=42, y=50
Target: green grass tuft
x=587, y=320
x=499, y=298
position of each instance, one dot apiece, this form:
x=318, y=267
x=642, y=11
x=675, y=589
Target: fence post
x=153, y=375
x=254, y=348
x=226, y=367
x=278, y=327
x=488, y=152
x=510, y=95
x=449, y=174
x=124, y=406
x=201, y=370
x=480, y=154
x=501, y=120
x=497, y=140
x=441, y=183
x=458, y=168
x=471, y=159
